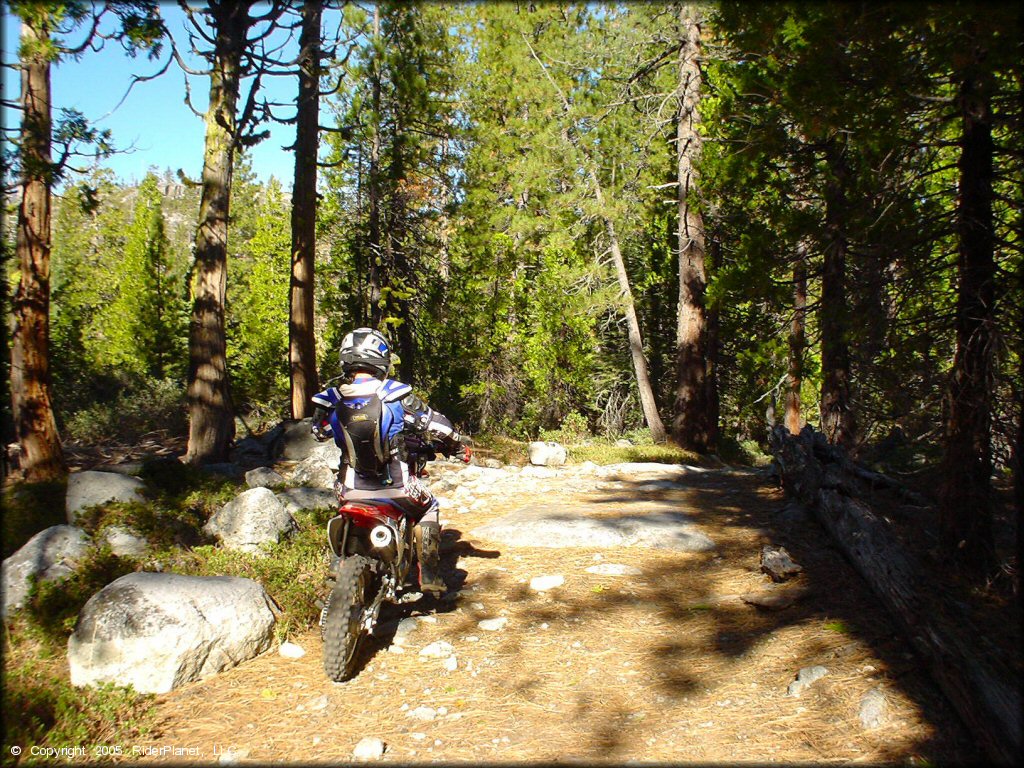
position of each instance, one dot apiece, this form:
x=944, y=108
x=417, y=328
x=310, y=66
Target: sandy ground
x=666, y=666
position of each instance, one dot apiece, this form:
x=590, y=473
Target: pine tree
x=145, y=324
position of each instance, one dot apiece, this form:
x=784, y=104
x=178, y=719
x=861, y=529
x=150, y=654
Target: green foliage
x=745, y=452
x=145, y=325
x=43, y=709
x=30, y=508
x=142, y=406
x=605, y=452
x=258, y=325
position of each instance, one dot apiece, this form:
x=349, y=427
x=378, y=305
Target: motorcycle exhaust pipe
x=381, y=536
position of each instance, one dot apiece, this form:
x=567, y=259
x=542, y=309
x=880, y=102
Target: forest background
x=647, y=220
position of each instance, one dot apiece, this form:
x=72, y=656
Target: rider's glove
x=319, y=426
x=461, y=453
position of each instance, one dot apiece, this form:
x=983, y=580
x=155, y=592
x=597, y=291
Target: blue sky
x=154, y=119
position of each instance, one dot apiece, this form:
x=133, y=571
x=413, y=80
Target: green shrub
x=746, y=452
x=150, y=405
x=30, y=508
x=574, y=429
x=43, y=709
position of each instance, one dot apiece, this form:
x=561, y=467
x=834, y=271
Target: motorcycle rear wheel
x=342, y=626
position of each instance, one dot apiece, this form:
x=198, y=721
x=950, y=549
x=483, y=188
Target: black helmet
x=366, y=349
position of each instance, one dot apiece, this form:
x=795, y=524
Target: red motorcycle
x=374, y=547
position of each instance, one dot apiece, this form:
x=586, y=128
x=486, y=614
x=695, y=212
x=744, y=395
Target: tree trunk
x=712, y=347
x=837, y=420
x=401, y=279
x=301, y=340
x=966, y=499
x=976, y=679
x=374, y=192
x=211, y=416
x=41, y=455
x=636, y=344
x=690, y=427
x=797, y=335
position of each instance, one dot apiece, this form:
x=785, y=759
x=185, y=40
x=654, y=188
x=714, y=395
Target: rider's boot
x=429, y=541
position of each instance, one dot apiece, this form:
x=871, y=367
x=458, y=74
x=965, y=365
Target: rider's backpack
x=365, y=435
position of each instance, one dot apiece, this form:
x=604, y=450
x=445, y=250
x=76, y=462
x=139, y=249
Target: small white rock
x=291, y=651
x=493, y=625
x=369, y=748
x=544, y=583
x=614, y=569
x=438, y=650
x=318, y=703
x=451, y=664
x=233, y=756
x=426, y=714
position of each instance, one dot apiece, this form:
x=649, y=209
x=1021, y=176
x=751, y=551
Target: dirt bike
x=373, y=545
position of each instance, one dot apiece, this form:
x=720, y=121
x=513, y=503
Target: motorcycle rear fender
x=337, y=533
x=362, y=516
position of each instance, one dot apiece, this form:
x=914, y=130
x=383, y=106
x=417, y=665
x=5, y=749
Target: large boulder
x=251, y=519
x=300, y=499
x=86, y=489
x=157, y=631
x=50, y=555
x=319, y=469
x=124, y=541
x=296, y=441
x=547, y=454
x=263, y=477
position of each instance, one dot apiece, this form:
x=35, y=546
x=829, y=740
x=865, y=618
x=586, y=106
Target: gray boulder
x=263, y=477
x=86, y=489
x=157, y=631
x=296, y=441
x=319, y=469
x=253, y=518
x=124, y=542
x=50, y=555
x=547, y=454
x=298, y=499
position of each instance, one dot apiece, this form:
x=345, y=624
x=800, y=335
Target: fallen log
x=980, y=686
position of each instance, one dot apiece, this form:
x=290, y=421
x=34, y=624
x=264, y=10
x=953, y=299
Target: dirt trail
x=669, y=665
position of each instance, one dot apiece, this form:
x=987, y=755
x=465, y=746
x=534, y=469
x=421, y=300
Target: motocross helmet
x=365, y=349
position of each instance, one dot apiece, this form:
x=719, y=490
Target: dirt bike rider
x=376, y=421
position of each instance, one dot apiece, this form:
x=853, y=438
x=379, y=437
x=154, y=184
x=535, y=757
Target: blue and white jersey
x=401, y=409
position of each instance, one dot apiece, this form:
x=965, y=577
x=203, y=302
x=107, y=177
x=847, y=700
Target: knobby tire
x=342, y=629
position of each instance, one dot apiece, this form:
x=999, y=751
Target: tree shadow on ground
x=835, y=594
